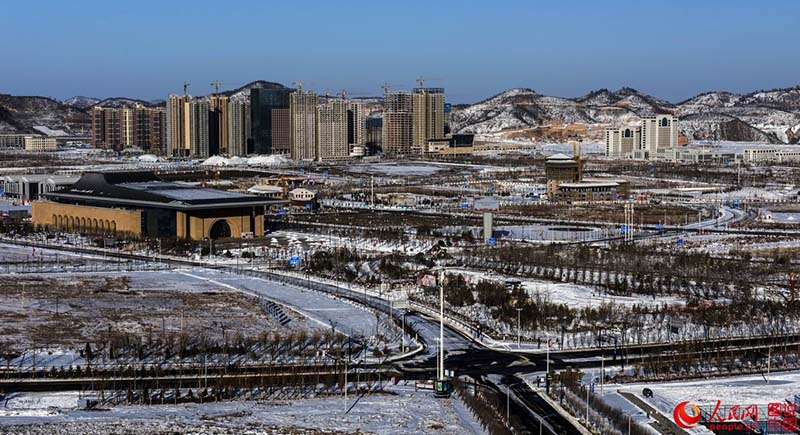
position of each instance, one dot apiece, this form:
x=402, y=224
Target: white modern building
x=655, y=134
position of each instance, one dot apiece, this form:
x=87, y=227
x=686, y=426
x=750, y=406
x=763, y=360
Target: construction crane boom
x=216, y=84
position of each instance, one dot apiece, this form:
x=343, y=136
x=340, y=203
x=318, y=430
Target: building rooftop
x=559, y=156
x=586, y=185
x=38, y=178
x=146, y=189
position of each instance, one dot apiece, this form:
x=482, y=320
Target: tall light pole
x=441, y=324
x=519, y=310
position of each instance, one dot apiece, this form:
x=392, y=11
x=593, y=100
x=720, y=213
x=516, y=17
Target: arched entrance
x=220, y=230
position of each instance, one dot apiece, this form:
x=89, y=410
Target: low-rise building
x=12, y=141
x=587, y=191
x=139, y=204
x=31, y=187
x=40, y=143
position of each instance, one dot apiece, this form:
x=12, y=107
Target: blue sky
x=146, y=49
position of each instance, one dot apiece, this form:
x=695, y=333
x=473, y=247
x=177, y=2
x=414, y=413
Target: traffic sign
x=282, y=211
x=294, y=260
x=308, y=206
x=680, y=242
x=659, y=227
x=492, y=241
x=464, y=205
x=623, y=229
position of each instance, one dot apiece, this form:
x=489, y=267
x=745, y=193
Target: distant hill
x=770, y=116
x=18, y=114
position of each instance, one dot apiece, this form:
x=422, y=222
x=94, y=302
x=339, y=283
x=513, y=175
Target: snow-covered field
x=400, y=410
x=396, y=169
x=738, y=390
x=574, y=295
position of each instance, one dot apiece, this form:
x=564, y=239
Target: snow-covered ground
x=297, y=243
x=400, y=410
x=737, y=390
x=573, y=295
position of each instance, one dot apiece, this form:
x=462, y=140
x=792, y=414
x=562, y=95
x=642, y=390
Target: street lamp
x=519, y=310
x=541, y=420
x=508, y=399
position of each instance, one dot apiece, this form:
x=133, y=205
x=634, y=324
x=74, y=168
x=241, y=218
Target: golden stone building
x=139, y=204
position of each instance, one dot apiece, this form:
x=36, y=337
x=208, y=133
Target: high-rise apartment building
x=197, y=132
x=374, y=135
x=398, y=127
x=177, y=125
x=303, y=122
x=356, y=124
x=333, y=130
x=429, y=116
x=270, y=121
x=239, y=127
x=106, y=128
x=218, y=125
x=129, y=127
x=156, y=131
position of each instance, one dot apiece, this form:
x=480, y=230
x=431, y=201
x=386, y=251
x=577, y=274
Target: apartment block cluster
x=301, y=125
x=414, y=122
x=124, y=128
x=655, y=136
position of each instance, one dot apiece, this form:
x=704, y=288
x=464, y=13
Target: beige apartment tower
x=177, y=125
x=197, y=128
x=398, y=124
x=303, y=125
x=332, y=130
x=428, y=119
x=239, y=127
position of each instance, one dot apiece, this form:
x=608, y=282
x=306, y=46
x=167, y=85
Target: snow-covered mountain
x=772, y=116
x=81, y=102
x=18, y=114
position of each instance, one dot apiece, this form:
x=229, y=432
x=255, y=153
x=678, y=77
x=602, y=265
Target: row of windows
x=85, y=224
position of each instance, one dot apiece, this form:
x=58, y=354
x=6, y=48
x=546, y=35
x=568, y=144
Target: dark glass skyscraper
x=269, y=121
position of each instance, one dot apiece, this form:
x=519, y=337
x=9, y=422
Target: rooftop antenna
x=421, y=81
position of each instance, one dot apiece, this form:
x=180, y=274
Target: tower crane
x=299, y=85
x=386, y=87
x=186, y=88
x=216, y=84
x=421, y=80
